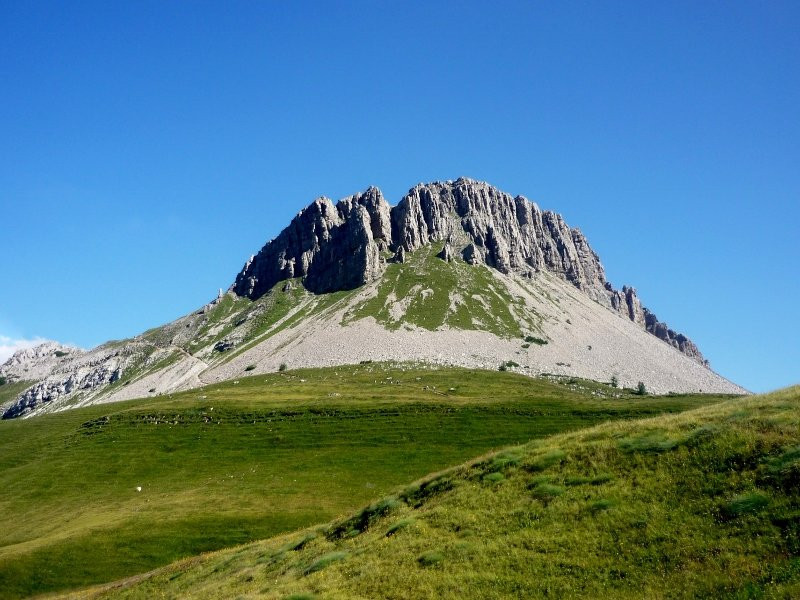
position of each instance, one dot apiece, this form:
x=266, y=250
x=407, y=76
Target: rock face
x=331, y=247
x=76, y=371
x=49, y=391
x=341, y=247
x=30, y=364
x=627, y=303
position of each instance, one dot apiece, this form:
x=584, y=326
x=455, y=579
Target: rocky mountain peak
x=332, y=247
x=36, y=361
x=343, y=246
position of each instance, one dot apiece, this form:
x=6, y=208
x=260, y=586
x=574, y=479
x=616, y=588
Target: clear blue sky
x=148, y=148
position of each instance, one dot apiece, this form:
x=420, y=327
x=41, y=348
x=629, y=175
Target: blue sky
x=148, y=148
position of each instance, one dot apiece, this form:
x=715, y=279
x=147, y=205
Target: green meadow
x=96, y=494
x=702, y=504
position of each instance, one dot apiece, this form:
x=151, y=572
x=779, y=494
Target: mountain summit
x=339, y=247
x=457, y=273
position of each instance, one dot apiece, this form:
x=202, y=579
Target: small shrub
x=596, y=480
x=614, y=381
x=250, y=368
x=503, y=461
x=60, y=353
x=744, y=504
x=430, y=559
x=789, y=524
x=2, y=380
x=651, y=441
x=324, y=561
x=546, y=461
x=535, y=340
x=361, y=521
x=547, y=491
x=301, y=543
x=494, y=477
x=511, y=364
x=784, y=471
x=282, y=368
x=640, y=389
x=539, y=479
x=526, y=345
x=152, y=390
x=399, y=526
x=600, y=505
x=700, y=435
x=417, y=494
x=503, y=367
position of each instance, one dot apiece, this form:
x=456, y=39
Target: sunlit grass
x=252, y=458
x=695, y=505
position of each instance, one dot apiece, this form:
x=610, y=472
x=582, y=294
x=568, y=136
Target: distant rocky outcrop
x=340, y=247
x=627, y=303
x=75, y=371
x=31, y=364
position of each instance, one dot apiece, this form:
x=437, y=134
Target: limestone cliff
x=330, y=247
x=339, y=247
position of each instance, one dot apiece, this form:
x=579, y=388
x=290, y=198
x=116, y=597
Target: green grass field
x=252, y=459
x=704, y=504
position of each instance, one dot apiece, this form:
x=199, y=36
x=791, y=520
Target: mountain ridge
x=338, y=247
x=458, y=273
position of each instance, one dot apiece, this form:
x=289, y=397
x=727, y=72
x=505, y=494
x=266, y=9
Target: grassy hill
x=257, y=457
x=704, y=504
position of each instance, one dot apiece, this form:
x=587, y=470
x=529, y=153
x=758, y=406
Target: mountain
x=340, y=247
x=457, y=272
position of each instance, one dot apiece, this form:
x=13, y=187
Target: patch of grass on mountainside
x=428, y=292
x=277, y=305
x=705, y=504
x=252, y=458
x=219, y=320
x=317, y=304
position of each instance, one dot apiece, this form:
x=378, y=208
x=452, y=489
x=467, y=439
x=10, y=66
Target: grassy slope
x=429, y=293
x=436, y=293
x=705, y=504
x=237, y=462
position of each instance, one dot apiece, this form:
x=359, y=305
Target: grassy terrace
x=432, y=292
x=242, y=461
x=704, y=504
